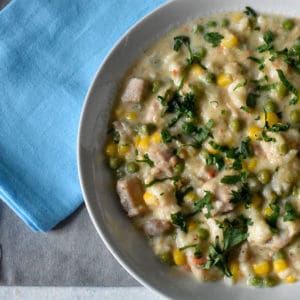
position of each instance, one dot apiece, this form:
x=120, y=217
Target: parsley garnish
x=166, y=136
x=179, y=194
x=291, y=214
x=239, y=85
x=204, y=202
x=279, y=127
x=146, y=160
x=250, y=12
x=213, y=38
x=195, y=57
x=197, y=253
x=234, y=232
x=272, y=219
x=215, y=160
x=251, y=100
x=286, y=83
x=180, y=220
x=234, y=179
x=243, y=195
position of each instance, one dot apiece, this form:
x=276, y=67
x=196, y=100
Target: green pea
x=264, y=176
x=281, y=90
x=283, y=148
x=235, y=125
x=270, y=106
x=166, y=258
x=115, y=162
x=179, y=168
x=256, y=281
x=270, y=281
x=295, y=116
x=198, y=28
x=145, y=129
x=155, y=86
x=210, y=78
x=279, y=255
x=287, y=24
x=225, y=23
x=211, y=24
x=200, y=52
x=203, y=234
x=132, y=167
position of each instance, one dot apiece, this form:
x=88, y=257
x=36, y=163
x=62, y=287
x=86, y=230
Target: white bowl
x=129, y=246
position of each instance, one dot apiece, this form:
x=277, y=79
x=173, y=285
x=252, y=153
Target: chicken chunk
x=157, y=227
x=135, y=90
x=161, y=156
x=259, y=232
x=153, y=112
x=130, y=191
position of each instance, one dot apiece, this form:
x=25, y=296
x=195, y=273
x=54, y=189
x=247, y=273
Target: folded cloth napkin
x=49, y=52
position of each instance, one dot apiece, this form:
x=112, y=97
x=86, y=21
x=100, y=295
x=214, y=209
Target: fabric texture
x=49, y=53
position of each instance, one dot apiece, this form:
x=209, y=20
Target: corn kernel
x=279, y=265
x=111, y=149
x=150, y=199
x=262, y=268
x=224, y=79
x=290, y=279
x=196, y=71
x=254, y=132
x=131, y=116
x=144, y=143
x=192, y=225
x=235, y=269
x=257, y=201
x=123, y=149
x=190, y=197
x=179, y=257
x=252, y=164
x=156, y=137
x=229, y=41
x=268, y=211
x=272, y=118
x=236, y=17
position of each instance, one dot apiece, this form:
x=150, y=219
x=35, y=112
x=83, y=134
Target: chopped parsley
x=250, y=12
x=180, y=220
x=180, y=194
x=234, y=179
x=286, y=83
x=234, y=233
x=197, y=253
x=251, y=100
x=272, y=218
x=146, y=160
x=243, y=195
x=215, y=160
x=166, y=136
x=291, y=214
x=241, y=84
x=204, y=202
x=213, y=38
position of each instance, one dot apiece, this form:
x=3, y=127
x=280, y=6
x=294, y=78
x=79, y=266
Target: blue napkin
x=49, y=52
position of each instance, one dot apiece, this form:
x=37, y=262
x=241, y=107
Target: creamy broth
x=204, y=144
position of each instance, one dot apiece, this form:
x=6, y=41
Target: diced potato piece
x=135, y=90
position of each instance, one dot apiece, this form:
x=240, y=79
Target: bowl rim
x=101, y=233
